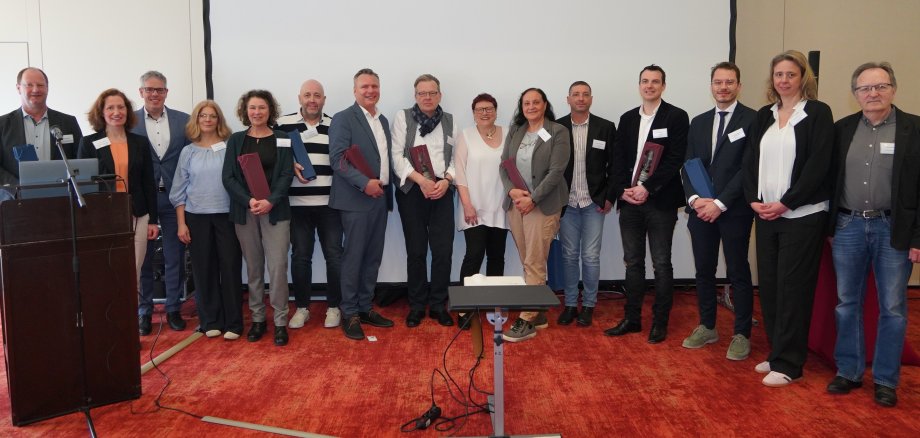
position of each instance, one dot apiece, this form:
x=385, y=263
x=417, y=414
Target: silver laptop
x=38, y=173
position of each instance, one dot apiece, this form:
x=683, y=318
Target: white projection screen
x=473, y=46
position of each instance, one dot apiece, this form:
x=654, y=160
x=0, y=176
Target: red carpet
x=569, y=380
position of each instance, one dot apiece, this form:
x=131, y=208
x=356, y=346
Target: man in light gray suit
x=364, y=195
x=165, y=128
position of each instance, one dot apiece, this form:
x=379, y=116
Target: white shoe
x=301, y=316
x=333, y=317
x=212, y=333
x=763, y=367
x=777, y=379
x=230, y=336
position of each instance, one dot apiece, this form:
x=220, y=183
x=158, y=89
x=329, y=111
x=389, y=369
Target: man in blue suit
x=718, y=137
x=165, y=128
x=363, y=198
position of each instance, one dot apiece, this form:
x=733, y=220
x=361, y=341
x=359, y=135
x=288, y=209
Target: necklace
x=491, y=133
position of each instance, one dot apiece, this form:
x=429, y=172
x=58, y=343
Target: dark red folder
x=251, y=166
x=421, y=161
x=510, y=166
x=356, y=159
x=648, y=162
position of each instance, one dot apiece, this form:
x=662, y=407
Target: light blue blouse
x=197, y=183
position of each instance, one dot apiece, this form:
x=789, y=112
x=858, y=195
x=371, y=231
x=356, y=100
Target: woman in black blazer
x=127, y=155
x=787, y=182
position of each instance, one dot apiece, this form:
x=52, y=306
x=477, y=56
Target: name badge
x=283, y=142
x=308, y=134
x=544, y=134
x=217, y=147
x=886, y=148
x=102, y=142
x=797, y=117
x=736, y=135
x=68, y=139
x=599, y=144
x=450, y=141
x=660, y=133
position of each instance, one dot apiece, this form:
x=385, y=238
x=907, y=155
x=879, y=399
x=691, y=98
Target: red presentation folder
x=647, y=162
x=421, y=161
x=510, y=166
x=353, y=156
x=255, y=176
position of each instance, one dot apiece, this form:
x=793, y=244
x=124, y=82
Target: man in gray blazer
x=165, y=128
x=359, y=149
x=31, y=124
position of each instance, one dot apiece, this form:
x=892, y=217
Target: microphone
x=57, y=133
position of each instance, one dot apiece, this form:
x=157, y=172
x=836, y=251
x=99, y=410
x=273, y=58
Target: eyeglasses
x=207, y=116
x=427, y=93
x=484, y=110
x=727, y=82
x=866, y=89
x=151, y=90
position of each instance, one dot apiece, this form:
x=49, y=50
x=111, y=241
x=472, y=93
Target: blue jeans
x=173, y=261
x=858, y=245
x=580, y=232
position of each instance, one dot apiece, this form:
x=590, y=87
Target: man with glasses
x=426, y=199
x=591, y=197
x=165, y=128
x=718, y=138
x=31, y=123
x=876, y=194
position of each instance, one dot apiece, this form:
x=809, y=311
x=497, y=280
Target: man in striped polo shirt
x=311, y=215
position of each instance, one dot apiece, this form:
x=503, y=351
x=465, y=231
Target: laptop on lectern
x=41, y=173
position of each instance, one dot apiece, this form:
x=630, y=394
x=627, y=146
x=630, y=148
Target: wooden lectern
x=68, y=350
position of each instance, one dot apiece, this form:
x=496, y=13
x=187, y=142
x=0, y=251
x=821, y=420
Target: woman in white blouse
x=787, y=182
x=481, y=216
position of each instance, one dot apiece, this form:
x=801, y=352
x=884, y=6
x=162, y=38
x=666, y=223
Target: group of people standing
x=786, y=167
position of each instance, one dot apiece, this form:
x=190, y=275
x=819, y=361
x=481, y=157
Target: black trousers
x=483, y=241
x=306, y=224
x=427, y=223
x=637, y=222
x=788, y=257
x=218, y=271
x=734, y=234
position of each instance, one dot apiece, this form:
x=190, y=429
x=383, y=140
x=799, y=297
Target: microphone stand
x=77, y=197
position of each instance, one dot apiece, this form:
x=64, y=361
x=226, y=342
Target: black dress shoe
x=465, y=321
x=442, y=316
x=352, y=328
x=625, y=326
x=175, y=321
x=658, y=333
x=256, y=330
x=414, y=318
x=842, y=385
x=885, y=396
x=568, y=315
x=375, y=319
x=585, y=317
x=144, y=326
x=281, y=336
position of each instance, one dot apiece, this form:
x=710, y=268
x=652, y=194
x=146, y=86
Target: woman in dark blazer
x=127, y=155
x=262, y=225
x=787, y=182
x=540, y=150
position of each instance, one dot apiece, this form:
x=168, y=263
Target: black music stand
x=499, y=299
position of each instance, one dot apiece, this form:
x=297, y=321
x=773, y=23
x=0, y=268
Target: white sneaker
x=301, y=316
x=230, y=336
x=763, y=367
x=333, y=317
x=777, y=379
x=212, y=333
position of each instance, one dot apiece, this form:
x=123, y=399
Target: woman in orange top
x=127, y=155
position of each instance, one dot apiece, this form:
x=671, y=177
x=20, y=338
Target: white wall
x=501, y=47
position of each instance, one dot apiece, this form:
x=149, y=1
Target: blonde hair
x=809, y=83
x=193, y=131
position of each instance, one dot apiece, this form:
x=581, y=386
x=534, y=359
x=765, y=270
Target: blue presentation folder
x=301, y=156
x=25, y=152
x=699, y=178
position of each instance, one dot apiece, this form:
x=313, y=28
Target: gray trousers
x=263, y=242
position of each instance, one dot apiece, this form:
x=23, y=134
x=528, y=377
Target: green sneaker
x=521, y=330
x=700, y=337
x=739, y=349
